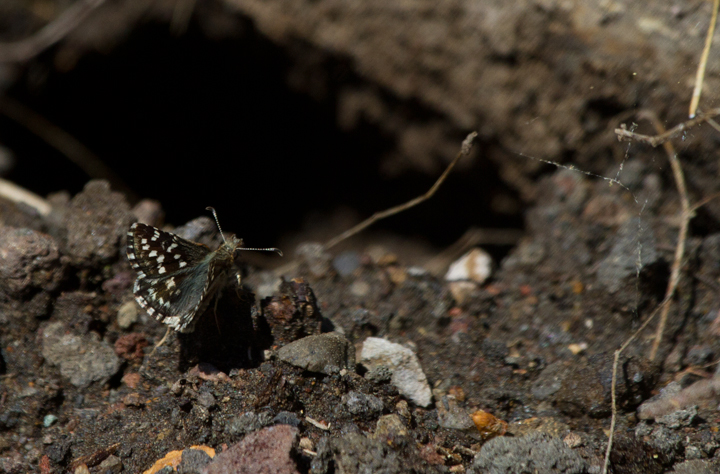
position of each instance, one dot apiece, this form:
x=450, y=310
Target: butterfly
x=177, y=278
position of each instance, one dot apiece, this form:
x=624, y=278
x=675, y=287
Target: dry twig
x=613, y=387
x=471, y=238
x=50, y=34
x=685, y=218
x=15, y=193
x=655, y=140
x=663, y=308
x=63, y=142
x=703, y=61
x=464, y=150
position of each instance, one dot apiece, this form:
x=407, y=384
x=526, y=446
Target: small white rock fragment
x=578, y=348
x=476, y=265
x=407, y=375
x=127, y=315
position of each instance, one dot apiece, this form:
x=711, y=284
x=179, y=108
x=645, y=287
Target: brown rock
x=265, y=451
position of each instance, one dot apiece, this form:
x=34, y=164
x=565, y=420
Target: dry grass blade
x=686, y=216
x=655, y=140
x=464, y=150
x=703, y=61
x=63, y=142
x=663, y=308
x=15, y=193
x=613, y=388
x=50, y=34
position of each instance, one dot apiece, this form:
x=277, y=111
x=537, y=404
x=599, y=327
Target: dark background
x=193, y=122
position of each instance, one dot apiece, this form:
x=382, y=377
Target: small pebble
x=389, y=427
x=111, y=465
x=476, y=265
x=488, y=425
x=407, y=374
x=306, y=443
x=346, y=263
x=286, y=418
x=359, y=289
x=49, y=420
x=206, y=399
x=127, y=315
x=578, y=348
x=573, y=440
x=81, y=469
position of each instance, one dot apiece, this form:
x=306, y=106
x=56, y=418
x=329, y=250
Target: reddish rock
x=262, y=452
x=131, y=346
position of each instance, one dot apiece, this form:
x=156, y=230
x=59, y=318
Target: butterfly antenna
x=217, y=222
x=269, y=249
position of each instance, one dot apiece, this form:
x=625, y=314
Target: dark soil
x=335, y=113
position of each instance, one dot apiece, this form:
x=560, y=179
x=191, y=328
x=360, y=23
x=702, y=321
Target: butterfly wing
x=173, y=275
x=154, y=252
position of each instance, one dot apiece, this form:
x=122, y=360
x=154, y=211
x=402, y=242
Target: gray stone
x=549, y=381
x=82, y=359
x=243, y=424
x=379, y=374
x=407, y=375
x=97, y=221
x=286, y=418
x=452, y=416
x=678, y=418
x=697, y=466
x=29, y=260
x=353, y=453
x=359, y=403
x=193, y=460
x=325, y=353
x=206, y=399
x=346, y=263
x=667, y=441
x=111, y=465
x=535, y=453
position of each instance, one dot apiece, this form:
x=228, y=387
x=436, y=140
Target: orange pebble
x=488, y=425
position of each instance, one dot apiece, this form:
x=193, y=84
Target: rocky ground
x=355, y=362
x=367, y=358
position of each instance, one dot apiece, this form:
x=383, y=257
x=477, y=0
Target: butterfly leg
x=162, y=341
x=217, y=299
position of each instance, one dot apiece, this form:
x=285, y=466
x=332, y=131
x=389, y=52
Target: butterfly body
x=176, y=278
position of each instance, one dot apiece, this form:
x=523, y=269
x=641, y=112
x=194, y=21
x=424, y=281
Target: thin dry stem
x=704, y=201
x=686, y=216
x=471, y=238
x=63, y=142
x=16, y=193
x=663, y=308
x=700, y=76
x=613, y=391
x=50, y=34
x=713, y=124
x=655, y=140
x=464, y=150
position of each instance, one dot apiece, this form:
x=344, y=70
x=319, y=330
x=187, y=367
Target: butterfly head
x=233, y=244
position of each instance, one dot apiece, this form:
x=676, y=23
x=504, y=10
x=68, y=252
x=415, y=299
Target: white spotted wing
x=175, y=277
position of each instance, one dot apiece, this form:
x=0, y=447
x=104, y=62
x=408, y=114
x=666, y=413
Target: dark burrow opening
x=195, y=122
